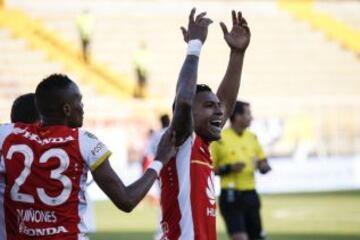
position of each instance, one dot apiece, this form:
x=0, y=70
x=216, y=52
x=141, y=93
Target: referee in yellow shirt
x=237, y=155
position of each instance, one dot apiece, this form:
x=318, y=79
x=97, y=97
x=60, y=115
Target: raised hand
x=238, y=38
x=197, y=27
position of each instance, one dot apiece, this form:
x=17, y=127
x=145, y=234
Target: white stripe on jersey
x=82, y=202
x=183, y=171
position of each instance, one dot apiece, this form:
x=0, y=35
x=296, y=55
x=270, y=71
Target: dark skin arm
x=263, y=166
x=238, y=40
x=182, y=123
x=127, y=197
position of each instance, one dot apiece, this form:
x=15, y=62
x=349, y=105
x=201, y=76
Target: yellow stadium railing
x=337, y=30
x=103, y=78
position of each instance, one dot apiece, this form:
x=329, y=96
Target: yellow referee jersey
x=232, y=148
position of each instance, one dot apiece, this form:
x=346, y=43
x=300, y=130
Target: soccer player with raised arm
x=45, y=168
x=187, y=181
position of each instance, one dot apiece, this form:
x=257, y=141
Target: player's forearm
x=186, y=85
x=138, y=190
x=124, y=198
x=229, y=86
x=182, y=120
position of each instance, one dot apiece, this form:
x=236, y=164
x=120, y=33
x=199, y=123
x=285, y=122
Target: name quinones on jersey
x=34, y=137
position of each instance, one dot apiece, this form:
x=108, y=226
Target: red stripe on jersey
x=202, y=191
x=171, y=215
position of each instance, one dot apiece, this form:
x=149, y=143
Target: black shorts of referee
x=241, y=213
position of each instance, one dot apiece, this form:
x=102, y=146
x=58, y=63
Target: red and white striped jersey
x=187, y=194
x=45, y=171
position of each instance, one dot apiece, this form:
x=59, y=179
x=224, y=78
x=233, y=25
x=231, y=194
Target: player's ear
x=67, y=109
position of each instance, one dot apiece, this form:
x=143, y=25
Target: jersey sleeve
x=260, y=154
x=5, y=130
x=93, y=151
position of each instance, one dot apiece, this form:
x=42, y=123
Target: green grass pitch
x=320, y=216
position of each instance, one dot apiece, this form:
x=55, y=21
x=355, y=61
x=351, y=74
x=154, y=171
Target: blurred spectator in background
x=237, y=155
x=85, y=26
x=24, y=110
x=141, y=65
x=154, y=139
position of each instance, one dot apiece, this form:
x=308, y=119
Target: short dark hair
x=239, y=109
x=199, y=88
x=202, y=88
x=48, y=94
x=23, y=109
x=165, y=120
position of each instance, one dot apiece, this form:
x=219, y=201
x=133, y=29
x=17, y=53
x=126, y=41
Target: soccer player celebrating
x=187, y=181
x=45, y=168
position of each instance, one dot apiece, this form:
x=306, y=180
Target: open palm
x=239, y=37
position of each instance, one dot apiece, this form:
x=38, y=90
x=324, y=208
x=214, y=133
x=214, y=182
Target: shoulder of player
x=87, y=135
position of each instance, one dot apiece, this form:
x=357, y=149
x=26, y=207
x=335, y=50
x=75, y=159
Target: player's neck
x=48, y=121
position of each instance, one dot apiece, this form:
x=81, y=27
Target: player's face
x=242, y=121
x=208, y=113
x=76, y=108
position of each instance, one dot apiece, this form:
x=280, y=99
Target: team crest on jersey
x=210, y=189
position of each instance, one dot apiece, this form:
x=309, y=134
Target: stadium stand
x=347, y=11
x=288, y=59
x=336, y=29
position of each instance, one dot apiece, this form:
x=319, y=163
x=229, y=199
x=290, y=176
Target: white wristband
x=156, y=165
x=194, y=47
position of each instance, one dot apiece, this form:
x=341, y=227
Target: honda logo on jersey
x=210, y=190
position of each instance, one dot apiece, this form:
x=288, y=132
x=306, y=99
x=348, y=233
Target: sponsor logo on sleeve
x=97, y=149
